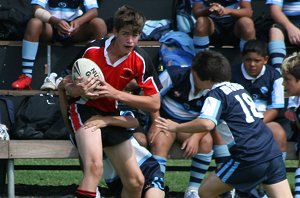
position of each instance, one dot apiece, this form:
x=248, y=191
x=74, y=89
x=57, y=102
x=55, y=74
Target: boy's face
x=126, y=39
x=291, y=84
x=253, y=63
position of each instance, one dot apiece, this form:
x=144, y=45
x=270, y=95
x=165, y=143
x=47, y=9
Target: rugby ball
x=85, y=68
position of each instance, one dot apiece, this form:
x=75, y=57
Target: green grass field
x=177, y=181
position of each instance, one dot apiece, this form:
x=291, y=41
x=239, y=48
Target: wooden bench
x=63, y=149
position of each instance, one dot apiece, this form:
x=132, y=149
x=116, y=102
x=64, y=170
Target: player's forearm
x=198, y=125
x=243, y=12
x=279, y=17
x=270, y=115
x=123, y=121
x=63, y=105
x=89, y=15
x=147, y=103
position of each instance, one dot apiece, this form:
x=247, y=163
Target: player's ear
x=266, y=59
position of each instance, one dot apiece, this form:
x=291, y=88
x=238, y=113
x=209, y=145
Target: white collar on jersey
x=248, y=77
x=107, y=44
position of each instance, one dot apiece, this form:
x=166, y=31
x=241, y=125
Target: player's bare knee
x=99, y=27
x=95, y=168
x=135, y=183
x=206, y=144
x=276, y=34
x=34, y=27
x=246, y=28
x=202, y=26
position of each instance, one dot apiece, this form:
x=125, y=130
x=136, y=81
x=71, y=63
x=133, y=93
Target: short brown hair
x=127, y=15
x=212, y=65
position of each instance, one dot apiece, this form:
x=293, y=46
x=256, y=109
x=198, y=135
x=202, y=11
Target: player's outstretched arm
x=99, y=121
x=198, y=125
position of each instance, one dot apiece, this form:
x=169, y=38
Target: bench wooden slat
x=290, y=151
x=41, y=149
x=81, y=44
x=3, y=149
x=64, y=149
x=25, y=92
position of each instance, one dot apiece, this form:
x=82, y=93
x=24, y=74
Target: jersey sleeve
x=41, y=3
x=275, y=2
x=89, y=4
x=277, y=95
x=211, y=109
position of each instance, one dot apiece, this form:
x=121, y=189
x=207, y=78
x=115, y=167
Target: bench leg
x=49, y=59
x=10, y=178
x=3, y=164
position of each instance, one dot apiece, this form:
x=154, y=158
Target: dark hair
x=212, y=65
x=127, y=15
x=258, y=46
x=291, y=65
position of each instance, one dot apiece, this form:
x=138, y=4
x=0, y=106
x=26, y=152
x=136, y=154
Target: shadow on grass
x=22, y=190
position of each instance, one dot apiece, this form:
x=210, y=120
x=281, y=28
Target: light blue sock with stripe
x=221, y=154
x=277, y=51
x=200, y=164
x=297, y=183
x=162, y=163
x=284, y=156
x=29, y=51
x=242, y=44
x=201, y=43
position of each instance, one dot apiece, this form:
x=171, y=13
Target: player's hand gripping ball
x=85, y=68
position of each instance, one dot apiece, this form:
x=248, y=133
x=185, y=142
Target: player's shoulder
x=96, y=43
x=272, y=72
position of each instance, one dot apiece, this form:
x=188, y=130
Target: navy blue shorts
x=111, y=135
x=153, y=178
x=245, y=177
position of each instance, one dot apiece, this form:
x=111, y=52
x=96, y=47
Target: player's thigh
x=279, y=190
x=154, y=192
x=47, y=33
x=87, y=32
x=89, y=144
x=122, y=157
x=212, y=186
x=141, y=138
x=162, y=143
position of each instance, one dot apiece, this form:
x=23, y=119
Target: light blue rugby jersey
x=66, y=10
x=254, y=142
x=289, y=8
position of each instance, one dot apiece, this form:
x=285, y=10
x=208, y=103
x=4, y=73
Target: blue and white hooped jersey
x=254, y=141
x=289, y=8
x=233, y=4
x=177, y=95
x=266, y=89
x=66, y=9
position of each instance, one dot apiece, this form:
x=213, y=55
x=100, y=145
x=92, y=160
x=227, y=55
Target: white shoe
x=49, y=82
x=3, y=132
x=191, y=194
x=98, y=194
